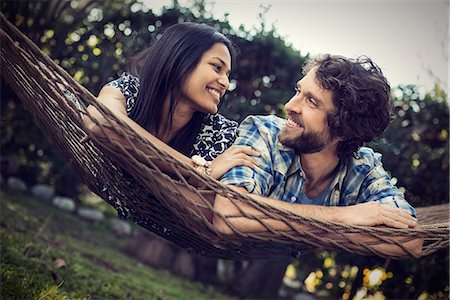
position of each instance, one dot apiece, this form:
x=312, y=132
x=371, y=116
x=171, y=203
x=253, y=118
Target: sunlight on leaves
x=328, y=262
x=374, y=277
x=92, y=41
x=96, y=51
x=291, y=272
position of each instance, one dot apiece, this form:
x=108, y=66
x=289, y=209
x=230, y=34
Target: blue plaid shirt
x=359, y=179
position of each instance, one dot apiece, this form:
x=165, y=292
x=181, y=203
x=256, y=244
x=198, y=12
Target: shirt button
x=336, y=193
x=293, y=198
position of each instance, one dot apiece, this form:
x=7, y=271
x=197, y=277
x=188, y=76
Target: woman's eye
x=297, y=91
x=216, y=67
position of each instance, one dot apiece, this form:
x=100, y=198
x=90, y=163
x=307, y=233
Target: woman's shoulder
x=217, y=134
x=219, y=122
x=129, y=86
x=125, y=81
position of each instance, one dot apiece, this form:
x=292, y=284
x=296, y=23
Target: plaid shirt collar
x=293, y=165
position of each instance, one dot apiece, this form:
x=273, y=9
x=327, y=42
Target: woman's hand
x=232, y=157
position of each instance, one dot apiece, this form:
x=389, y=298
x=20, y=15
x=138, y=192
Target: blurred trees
x=91, y=39
x=342, y=275
x=415, y=146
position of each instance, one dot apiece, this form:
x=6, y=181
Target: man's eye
x=311, y=101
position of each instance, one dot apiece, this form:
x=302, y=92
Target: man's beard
x=308, y=142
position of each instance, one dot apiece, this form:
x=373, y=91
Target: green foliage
x=91, y=40
x=341, y=275
x=23, y=140
x=35, y=236
x=415, y=147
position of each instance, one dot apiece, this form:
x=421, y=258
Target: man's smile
x=291, y=123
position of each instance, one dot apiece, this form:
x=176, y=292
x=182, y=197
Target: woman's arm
x=114, y=100
x=365, y=214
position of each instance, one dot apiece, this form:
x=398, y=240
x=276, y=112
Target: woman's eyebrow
x=222, y=62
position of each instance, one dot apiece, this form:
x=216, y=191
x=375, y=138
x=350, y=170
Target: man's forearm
x=365, y=214
x=254, y=221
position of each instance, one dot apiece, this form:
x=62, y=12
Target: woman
x=171, y=98
x=173, y=91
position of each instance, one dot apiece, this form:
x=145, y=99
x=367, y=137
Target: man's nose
x=294, y=104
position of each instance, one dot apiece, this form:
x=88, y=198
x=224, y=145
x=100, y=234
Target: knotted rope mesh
x=127, y=175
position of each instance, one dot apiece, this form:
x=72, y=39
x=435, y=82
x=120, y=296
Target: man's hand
x=374, y=213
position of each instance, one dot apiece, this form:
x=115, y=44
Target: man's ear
x=341, y=138
x=337, y=139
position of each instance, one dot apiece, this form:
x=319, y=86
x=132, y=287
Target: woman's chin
x=211, y=110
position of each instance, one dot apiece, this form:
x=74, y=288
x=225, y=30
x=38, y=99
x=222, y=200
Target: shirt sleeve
x=378, y=186
x=129, y=87
x=257, y=181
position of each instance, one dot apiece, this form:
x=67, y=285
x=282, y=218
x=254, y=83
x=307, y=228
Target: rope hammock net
x=164, y=203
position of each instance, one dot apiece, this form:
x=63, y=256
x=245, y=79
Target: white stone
x=64, y=203
x=16, y=184
x=43, y=191
x=90, y=214
x=120, y=227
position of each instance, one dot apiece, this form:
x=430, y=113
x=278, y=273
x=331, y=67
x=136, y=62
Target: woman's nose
x=224, y=81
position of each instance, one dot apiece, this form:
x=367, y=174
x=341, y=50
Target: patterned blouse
x=217, y=132
x=216, y=135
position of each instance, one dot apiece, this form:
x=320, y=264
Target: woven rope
x=161, y=201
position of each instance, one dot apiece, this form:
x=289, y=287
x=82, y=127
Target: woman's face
x=209, y=81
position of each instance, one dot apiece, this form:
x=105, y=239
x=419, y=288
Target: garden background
x=92, y=39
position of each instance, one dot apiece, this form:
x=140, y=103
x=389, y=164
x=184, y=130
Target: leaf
x=59, y=263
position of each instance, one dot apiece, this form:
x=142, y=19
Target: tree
x=415, y=147
x=91, y=39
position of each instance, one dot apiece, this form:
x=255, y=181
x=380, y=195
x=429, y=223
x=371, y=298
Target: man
x=314, y=162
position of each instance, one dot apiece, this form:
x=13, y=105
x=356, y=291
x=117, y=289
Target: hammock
x=44, y=88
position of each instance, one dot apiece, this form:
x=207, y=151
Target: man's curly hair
x=361, y=95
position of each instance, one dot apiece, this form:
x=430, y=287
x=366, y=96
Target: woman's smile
x=215, y=93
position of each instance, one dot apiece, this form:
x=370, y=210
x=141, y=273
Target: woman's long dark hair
x=163, y=68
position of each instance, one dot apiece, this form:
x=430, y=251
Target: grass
x=47, y=253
